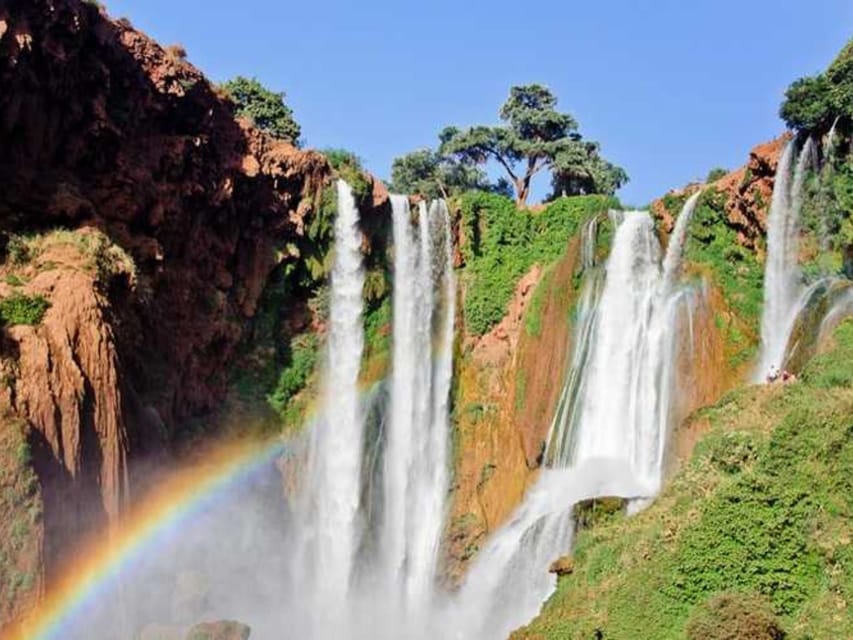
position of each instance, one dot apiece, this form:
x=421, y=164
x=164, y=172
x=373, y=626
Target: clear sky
x=671, y=88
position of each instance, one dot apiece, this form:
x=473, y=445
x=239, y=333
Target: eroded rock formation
x=748, y=190
x=104, y=133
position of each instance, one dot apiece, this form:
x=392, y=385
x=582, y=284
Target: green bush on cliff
x=21, y=309
x=349, y=168
x=265, y=108
x=301, y=358
x=712, y=247
x=502, y=243
x=716, y=173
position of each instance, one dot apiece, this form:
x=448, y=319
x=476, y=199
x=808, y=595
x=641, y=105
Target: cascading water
x=609, y=433
x=333, y=488
x=782, y=277
x=416, y=454
x=378, y=507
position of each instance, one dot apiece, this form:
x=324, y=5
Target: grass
x=502, y=243
x=712, y=252
x=763, y=510
x=18, y=309
x=103, y=257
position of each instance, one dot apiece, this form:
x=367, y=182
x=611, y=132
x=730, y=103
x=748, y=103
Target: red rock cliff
x=104, y=130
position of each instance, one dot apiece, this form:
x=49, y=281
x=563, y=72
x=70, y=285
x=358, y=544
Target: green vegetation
x=300, y=359
x=533, y=315
x=502, y=243
x=103, y=257
x=265, y=108
x=713, y=250
x=716, y=173
x=434, y=175
x=21, y=309
x=731, y=616
x=349, y=167
x=20, y=515
x=813, y=103
x=752, y=532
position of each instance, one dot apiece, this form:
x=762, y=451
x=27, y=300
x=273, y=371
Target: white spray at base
x=783, y=288
x=608, y=438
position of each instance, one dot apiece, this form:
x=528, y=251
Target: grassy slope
x=763, y=507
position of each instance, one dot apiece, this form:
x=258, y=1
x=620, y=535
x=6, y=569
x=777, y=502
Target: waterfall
x=335, y=452
x=558, y=450
x=609, y=432
x=415, y=463
x=782, y=276
x=373, y=512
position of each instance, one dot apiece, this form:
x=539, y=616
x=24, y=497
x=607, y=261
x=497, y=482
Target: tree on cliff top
x=264, y=107
x=580, y=170
x=534, y=137
x=814, y=102
x=434, y=175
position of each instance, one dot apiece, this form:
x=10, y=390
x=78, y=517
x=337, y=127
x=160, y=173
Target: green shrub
x=303, y=353
x=715, y=174
x=731, y=452
x=264, y=107
x=734, y=616
x=589, y=513
x=502, y=243
x=21, y=309
x=833, y=369
x=349, y=168
x=713, y=246
x=18, y=250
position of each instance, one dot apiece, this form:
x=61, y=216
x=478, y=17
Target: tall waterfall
x=373, y=512
x=335, y=455
x=415, y=464
x=610, y=429
x=782, y=277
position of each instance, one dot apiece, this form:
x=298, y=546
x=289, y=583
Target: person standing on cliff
x=773, y=374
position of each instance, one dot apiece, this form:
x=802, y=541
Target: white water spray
x=782, y=275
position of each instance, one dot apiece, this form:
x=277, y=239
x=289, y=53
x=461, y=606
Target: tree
x=807, y=104
x=533, y=138
x=580, y=170
x=427, y=172
x=814, y=102
x=265, y=108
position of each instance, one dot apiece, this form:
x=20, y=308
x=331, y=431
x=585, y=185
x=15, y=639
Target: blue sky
x=671, y=88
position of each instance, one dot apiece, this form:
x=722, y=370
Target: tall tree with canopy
x=534, y=137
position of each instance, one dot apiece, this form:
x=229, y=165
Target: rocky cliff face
x=748, y=191
x=172, y=215
x=509, y=384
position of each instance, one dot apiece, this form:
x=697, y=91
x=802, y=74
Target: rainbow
x=176, y=500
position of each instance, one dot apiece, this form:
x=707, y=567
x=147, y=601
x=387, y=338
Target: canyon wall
x=147, y=219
